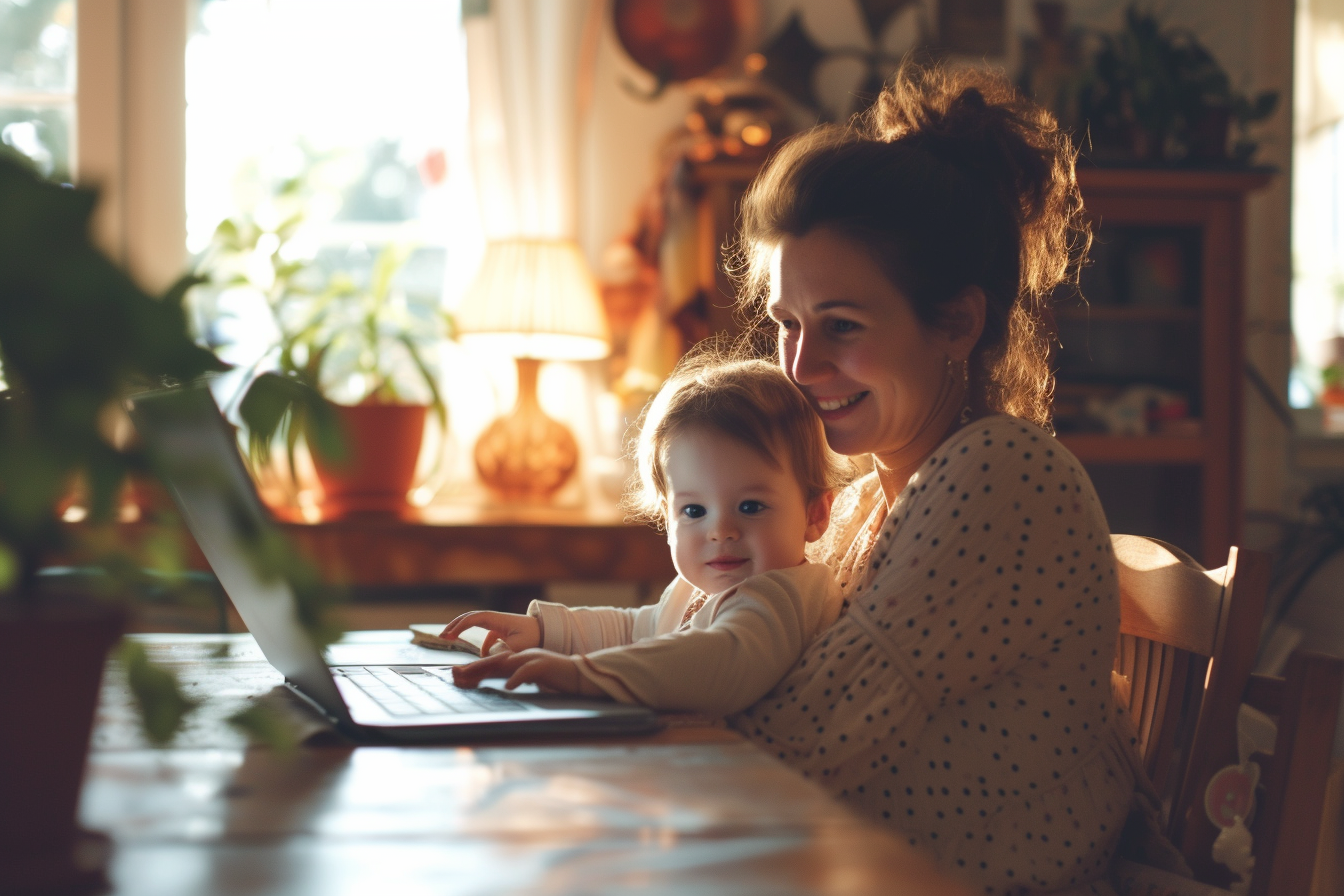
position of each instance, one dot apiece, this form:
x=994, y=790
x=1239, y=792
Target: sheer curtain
x=1318, y=194
x=523, y=61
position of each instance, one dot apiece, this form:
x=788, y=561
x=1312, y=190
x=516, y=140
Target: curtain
x=523, y=61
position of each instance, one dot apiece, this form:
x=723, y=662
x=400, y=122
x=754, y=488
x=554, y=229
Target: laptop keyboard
x=423, y=690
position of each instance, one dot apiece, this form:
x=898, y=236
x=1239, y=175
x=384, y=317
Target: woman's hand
x=513, y=630
x=553, y=672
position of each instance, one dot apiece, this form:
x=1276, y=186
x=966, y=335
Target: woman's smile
x=825, y=405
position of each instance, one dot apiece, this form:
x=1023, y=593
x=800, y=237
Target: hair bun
x=978, y=122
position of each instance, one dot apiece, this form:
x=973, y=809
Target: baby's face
x=731, y=514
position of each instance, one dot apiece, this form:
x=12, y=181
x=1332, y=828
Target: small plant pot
x=51, y=661
x=1208, y=135
x=383, y=442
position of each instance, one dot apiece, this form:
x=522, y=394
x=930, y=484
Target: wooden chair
x=1288, y=820
x=1188, y=642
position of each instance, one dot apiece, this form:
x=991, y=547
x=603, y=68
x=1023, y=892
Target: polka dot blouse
x=964, y=696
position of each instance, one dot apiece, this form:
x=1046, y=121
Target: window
x=349, y=115
x=1318, y=198
x=37, y=82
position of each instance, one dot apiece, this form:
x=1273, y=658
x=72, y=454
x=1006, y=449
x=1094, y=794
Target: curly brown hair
x=951, y=180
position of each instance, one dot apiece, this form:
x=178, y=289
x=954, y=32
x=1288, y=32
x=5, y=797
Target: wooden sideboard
x=500, y=548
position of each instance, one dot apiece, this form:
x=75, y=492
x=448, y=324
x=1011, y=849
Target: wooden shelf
x=1128, y=314
x=1103, y=449
x=1168, y=183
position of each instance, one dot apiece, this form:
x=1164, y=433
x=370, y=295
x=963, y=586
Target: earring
x=966, y=392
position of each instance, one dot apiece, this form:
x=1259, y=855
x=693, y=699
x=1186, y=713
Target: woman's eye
x=842, y=326
x=693, y=511
x=750, y=507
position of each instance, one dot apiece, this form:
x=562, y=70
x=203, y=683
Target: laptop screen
x=196, y=452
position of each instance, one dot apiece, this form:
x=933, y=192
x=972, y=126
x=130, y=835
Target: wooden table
x=688, y=810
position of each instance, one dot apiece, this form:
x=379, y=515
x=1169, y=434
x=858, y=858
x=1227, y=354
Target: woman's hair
x=751, y=401
x=951, y=180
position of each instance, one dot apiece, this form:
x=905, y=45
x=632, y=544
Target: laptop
x=197, y=454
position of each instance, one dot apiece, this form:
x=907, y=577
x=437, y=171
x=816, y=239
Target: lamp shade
x=535, y=298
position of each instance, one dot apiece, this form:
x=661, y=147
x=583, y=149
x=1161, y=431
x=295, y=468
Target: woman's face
x=851, y=342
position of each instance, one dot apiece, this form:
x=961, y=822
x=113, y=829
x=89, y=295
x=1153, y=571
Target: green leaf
x=275, y=403
x=1264, y=105
x=163, y=706
x=436, y=399
x=264, y=725
x=9, y=567
x=177, y=293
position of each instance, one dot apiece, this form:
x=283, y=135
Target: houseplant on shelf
x=1155, y=94
x=76, y=337
x=355, y=342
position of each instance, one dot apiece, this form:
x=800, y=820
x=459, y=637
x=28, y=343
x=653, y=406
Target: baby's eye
x=693, y=511
x=750, y=507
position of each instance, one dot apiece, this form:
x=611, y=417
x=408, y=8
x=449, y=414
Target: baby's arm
x=755, y=637
x=558, y=628
x=579, y=630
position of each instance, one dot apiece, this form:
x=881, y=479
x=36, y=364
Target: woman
x=964, y=696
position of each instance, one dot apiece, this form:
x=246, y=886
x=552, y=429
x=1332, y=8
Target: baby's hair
x=751, y=401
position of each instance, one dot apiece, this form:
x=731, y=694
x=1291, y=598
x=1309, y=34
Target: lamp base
x=526, y=455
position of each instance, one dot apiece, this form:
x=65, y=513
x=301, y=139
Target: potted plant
x=352, y=341
x=77, y=335
x=1156, y=94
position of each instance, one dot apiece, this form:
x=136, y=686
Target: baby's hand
x=514, y=631
x=553, y=672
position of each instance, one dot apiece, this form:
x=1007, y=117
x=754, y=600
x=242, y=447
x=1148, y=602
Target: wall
x=1252, y=39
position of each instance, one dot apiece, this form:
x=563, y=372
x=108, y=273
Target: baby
x=733, y=462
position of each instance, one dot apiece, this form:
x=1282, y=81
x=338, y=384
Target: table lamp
x=533, y=299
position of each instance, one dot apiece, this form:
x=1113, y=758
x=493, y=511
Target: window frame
x=130, y=130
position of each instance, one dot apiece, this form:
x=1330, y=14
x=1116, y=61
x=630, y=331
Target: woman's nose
x=804, y=359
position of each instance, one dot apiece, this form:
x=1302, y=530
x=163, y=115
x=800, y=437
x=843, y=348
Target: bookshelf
x=1164, y=311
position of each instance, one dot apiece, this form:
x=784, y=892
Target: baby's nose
x=725, y=530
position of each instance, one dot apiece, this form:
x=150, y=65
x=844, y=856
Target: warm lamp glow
x=534, y=300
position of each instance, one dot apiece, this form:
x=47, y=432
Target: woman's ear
x=963, y=320
x=818, y=516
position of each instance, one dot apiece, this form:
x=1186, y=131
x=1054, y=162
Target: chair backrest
x=1288, y=820
x=1188, y=640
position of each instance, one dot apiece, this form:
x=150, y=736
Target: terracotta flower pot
x=51, y=662
x=384, y=444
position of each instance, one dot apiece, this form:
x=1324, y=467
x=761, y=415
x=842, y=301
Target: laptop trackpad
x=496, y=685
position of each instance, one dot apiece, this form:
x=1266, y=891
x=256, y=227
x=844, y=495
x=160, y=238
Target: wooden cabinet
x=1160, y=336
x=1156, y=351
x=526, y=547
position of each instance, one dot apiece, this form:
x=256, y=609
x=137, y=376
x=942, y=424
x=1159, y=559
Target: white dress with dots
x=964, y=697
